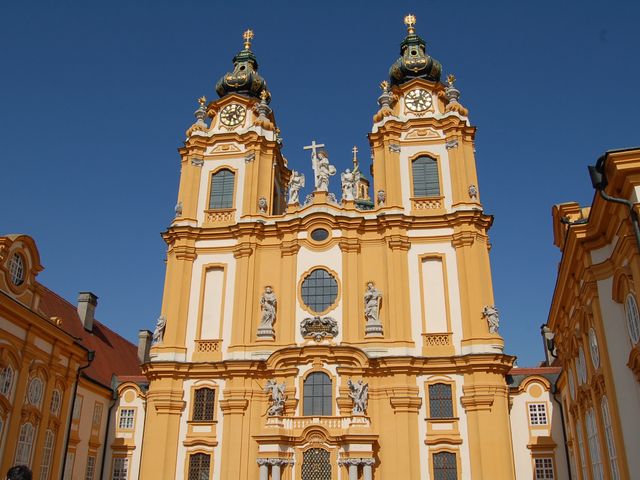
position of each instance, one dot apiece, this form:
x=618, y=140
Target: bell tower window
x=426, y=181
x=222, y=184
x=317, y=395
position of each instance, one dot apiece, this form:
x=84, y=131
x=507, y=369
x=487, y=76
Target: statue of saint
x=322, y=170
x=349, y=183
x=490, y=312
x=158, y=333
x=295, y=184
x=372, y=298
x=359, y=393
x=277, y=399
x=268, y=306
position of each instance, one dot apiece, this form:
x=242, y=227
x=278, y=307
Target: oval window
x=319, y=290
x=319, y=234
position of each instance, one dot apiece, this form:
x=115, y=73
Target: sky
x=95, y=99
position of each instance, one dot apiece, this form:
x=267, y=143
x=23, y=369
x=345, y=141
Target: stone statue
x=277, y=399
x=473, y=191
x=372, y=301
x=381, y=197
x=349, y=183
x=490, y=312
x=268, y=304
x=359, y=393
x=158, y=333
x=322, y=170
x=295, y=184
x=178, y=209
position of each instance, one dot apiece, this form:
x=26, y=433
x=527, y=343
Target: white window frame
x=68, y=466
x=35, y=391
x=47, y=455
x=77, y=407
x=17, y=269
x=608, y=433
x=581, y=365
x=543, y=467
x=538, y=413
x=56, y=401
x=120, y=469
x=96, y=421
x=6, y=380
x=24, y=448
x=91, y=467
x=594, y=348
x=632, y=317
x=583, y=459
x=126, y=418
x=593, y=440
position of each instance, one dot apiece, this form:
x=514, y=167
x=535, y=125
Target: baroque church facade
x=321, y=338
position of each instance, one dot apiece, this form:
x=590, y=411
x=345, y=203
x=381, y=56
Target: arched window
x=25, y=445
x=34, y=391
x=56, y=400
x=633, y=318
x=222, y=183
x=47, y=452
x=199, y=466
x=317, y=395
x=426, y=182
x=608, y=433
x=6, y=381
x=445, y=466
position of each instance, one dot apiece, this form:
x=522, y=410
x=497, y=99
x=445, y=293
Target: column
x=353, y=470
x=367, y=468
x=264, y=468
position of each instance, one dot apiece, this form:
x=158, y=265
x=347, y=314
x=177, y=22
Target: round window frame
x=581, y=366
x=318, y=229
x=26, y=267
x=594, y=348
x=31, y=389
x=335, y=303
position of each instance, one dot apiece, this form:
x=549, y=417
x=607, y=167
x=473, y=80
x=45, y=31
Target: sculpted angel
x=359, y=393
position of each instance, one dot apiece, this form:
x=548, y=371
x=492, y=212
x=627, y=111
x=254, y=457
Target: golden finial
x=451, y=78
x=355, y=156
x=384, y=85
x=264, y=95
x=248, y=36
x=410, y=21
x=202, y=100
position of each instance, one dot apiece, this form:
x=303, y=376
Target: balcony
x=427, y=205
x=207, y=350
x=294, y=426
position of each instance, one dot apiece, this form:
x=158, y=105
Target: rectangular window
x=440, y=404
x=97, y=415
x=199, y=466
x=120, y=468
x=538, y=414
x=47, y=452
x=77, y=407
x=203, y=405
x=126, y=418
x=222, y=183
x=544, y=469
x=68, y=466
x=25, y=445
x=445, y=466
x=91, y=466
x=594, y=446
x=583, y=460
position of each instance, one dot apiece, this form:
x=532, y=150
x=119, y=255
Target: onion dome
x=244, y=79
x=414, y=61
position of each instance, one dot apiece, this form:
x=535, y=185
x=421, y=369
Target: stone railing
x=207, y=350
x=437, y=339
x=300, y=423
x=219, y=216
x=431, y=203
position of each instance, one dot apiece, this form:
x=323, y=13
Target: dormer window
x=16, y=269
x=222, y=185
x=426, y=181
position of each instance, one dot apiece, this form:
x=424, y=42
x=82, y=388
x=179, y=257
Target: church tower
x=302, y=337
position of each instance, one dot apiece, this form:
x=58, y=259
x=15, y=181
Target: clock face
x=418, y=100
x=233, y=115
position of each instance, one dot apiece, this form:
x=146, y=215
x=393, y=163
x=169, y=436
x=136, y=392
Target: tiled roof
x=114, y=354
x=535, y=371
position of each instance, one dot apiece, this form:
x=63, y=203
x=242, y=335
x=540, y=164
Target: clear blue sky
x=95, y=98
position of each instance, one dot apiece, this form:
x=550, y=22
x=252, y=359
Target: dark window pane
x=203, y=405
x=199, y=465
x=319, y=290
x=440, y=402
x=426, y=182
x=444, y=466
x=316, y=464
x=317, y=395
x=222, y=184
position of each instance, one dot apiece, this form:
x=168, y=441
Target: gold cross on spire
x=248, y=36
x=355, y=156
x=202, y=100
x=451, y=78
x=410, y=21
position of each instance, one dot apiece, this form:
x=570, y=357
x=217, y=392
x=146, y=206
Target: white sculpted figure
x=490, y=312
x=372, y=297
x=295, y=184
x=158, y=333
x=322, y=170
x=277, y=399
x=268, y=306
x=359, y=393
x=349, y=183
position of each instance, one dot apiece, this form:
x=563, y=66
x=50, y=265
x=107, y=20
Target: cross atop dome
x=410, y=21
x=248, y=36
